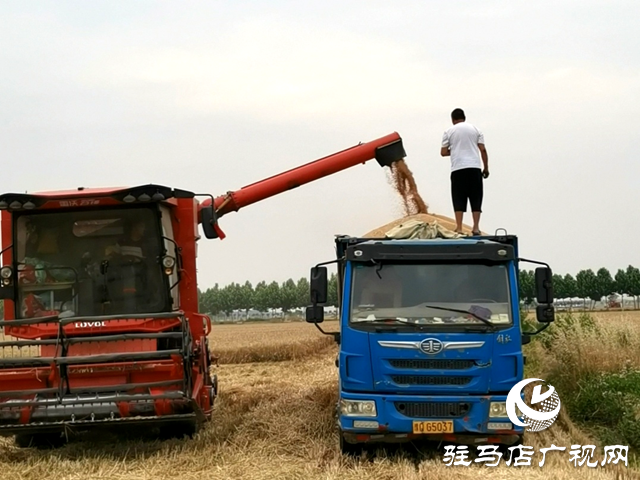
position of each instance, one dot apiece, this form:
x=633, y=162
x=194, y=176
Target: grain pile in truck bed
x=448, y=223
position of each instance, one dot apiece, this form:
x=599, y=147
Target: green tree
x=288, y=295
x=621, y=282
x=209, y=301
x=261, y=297
x=245, y=297
x=570, y=285
x=302, y=296
x=605, y=283
x=633, y=279
x=558, y=286
x=226, y=299
x=527, y=286
x=587, y=285
x=274, y=294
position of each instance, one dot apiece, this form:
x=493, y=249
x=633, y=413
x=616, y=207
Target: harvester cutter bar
x=95, y=338
x=42, y=427
x=124, y=387
x=85, y=359
x=74, y=402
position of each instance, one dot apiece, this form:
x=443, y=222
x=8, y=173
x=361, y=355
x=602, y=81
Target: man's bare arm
x=485, y=156
x=445, y=152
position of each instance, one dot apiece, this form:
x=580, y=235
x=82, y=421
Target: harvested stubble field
x=274, y=420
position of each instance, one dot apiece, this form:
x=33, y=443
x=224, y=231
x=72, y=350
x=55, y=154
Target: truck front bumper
x=459, y=419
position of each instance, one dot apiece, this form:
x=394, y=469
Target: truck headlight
x=498, y=410
x=358, y=408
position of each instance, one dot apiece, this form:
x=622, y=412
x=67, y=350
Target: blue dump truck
x=430, y=337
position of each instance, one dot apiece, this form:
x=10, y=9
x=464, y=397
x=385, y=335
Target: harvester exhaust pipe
x=389, y=154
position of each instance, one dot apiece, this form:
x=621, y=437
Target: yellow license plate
x=441, y=426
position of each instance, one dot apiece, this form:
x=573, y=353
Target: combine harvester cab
x=101, y=322
x=101, y=325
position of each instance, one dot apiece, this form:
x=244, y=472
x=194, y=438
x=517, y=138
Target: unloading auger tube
x=385, y=150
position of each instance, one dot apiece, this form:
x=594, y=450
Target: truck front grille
x=429, y=380
x=432, y=364
x=432, y=409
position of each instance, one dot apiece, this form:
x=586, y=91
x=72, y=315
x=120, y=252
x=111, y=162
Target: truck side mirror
x=208, y=222
x=544, y=286
x=545, y=313
x=318, y=284
x=315, y=314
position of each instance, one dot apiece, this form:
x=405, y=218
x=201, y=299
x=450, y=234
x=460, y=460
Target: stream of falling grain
x=406, y=187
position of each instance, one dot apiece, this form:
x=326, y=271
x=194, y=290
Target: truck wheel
x=40, y=441
x=350, y=449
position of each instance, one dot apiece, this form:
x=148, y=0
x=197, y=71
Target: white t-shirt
x=463, y=139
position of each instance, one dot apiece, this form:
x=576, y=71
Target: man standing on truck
x=464, y=143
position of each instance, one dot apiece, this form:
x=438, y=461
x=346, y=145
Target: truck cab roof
x=496, y=248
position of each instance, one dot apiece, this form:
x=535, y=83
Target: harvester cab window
x=99, y=262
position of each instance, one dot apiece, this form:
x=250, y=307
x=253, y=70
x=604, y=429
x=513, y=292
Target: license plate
x=442, y=426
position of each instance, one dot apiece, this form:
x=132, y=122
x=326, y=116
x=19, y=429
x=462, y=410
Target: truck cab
x=430, y=337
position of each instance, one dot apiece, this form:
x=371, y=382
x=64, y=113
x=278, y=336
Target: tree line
x=288, y=296
x=291, y=295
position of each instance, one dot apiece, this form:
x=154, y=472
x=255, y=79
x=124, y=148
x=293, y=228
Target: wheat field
x=274, y=419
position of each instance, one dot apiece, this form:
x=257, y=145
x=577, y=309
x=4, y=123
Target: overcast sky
x=212, y=96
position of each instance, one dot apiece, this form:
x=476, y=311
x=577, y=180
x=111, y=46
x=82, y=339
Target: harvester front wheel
x=40, y=441
x=179, y=430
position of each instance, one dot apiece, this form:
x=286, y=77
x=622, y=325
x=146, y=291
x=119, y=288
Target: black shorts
x=466, y=183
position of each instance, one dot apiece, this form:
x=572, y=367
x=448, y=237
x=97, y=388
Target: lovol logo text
x=89, y=324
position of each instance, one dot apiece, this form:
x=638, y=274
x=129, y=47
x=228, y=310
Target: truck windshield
x=98, y=262
x=424, y=293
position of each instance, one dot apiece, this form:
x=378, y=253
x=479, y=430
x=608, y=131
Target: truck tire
x=350, y=449
x=40, y=441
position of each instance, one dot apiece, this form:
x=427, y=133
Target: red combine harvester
x=101, y=323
